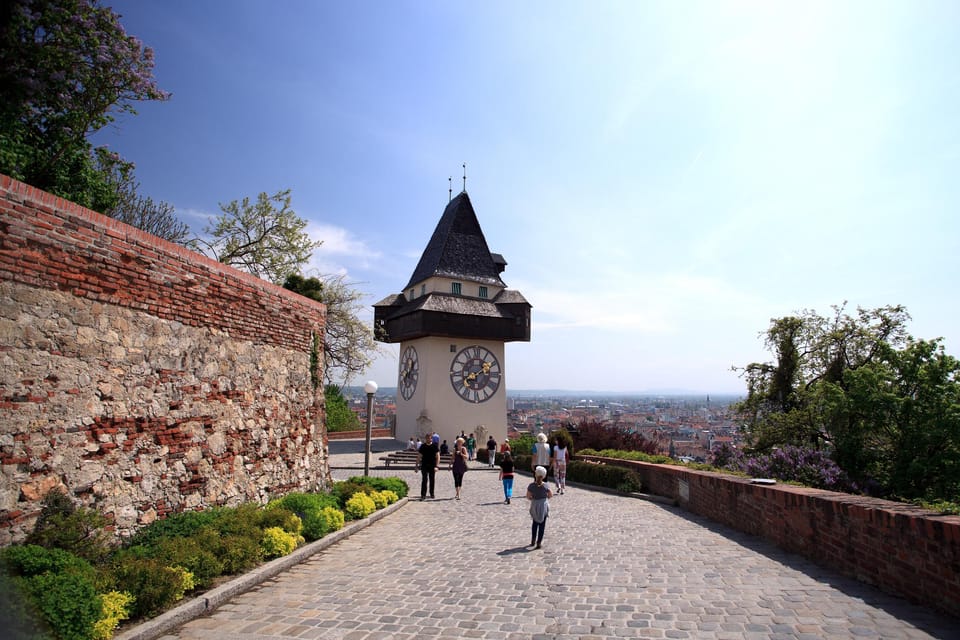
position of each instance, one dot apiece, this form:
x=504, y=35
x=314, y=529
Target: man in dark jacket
x=429, y=461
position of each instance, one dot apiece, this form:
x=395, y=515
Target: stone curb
x=210, y=600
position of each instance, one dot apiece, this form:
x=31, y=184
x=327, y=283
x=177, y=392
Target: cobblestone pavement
x=610, y=567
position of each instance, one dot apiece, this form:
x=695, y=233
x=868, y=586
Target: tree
x=66, y=68
x=339, y=415
x=265, y=238
x=348, y=342
x=884, y=405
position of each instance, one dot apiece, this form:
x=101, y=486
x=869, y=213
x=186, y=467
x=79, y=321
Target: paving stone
x=611, y=567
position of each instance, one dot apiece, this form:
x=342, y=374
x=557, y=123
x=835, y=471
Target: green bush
x=21, y=619
x=604, y=475
x=238, y=553
x=397, y=485
x=197, y=554
x=62, y=525
x=153, y=585
x=59, y=586
x=283, y=518
x=346, y=489
x=174, y=525
x=359, y=506
x=116, y=608
x=308, y=507
x=276, y=542
x=333, y=519
x=67, y=601
x=32, y=560
x=380, y=500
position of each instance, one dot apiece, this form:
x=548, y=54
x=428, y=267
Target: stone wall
x=897, y=547
x=141, y=377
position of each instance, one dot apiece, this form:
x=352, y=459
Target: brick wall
x=142, y=377
x=897, y=547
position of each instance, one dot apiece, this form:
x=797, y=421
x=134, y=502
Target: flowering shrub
x=116, y=607
x=810, y=467
x=276, y=542
x=360, y=505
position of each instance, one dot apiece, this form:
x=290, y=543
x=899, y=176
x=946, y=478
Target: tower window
x=455, y=288
x=483, y=292
x=423, y=289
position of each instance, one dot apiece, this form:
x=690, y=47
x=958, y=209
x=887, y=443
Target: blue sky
x=663, y=178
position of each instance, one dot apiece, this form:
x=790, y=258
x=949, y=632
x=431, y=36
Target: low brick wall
x=899, y=548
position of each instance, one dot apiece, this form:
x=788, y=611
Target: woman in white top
x=541, y=453
x=560, y=456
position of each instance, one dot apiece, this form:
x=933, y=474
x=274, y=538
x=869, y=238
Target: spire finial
x=450, y=180
x=464, y=177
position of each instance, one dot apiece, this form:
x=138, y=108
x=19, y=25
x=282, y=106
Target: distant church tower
x=452, y=320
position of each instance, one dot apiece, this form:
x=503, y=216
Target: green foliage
x=174, y=525
x=284, y=518
x=380, y=500
x=628, y=455
x=265, y=238
x=360, y=505
x=238, y=553
x=339, y=415
x=886, y=407
x=59, y=586
x=62, y=525
x=67, y=601
x=276, y=542
x=20, y=617
x=197, y=554
x=347, y=341
x=332, y=519
x=66, y=67
x=604, y=475
x=308, y=507
x=154, y=585
x=397, y=485
x=594, y=434
x=116, y=608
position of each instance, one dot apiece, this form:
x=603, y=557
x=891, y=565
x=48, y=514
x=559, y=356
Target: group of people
x=545, y=456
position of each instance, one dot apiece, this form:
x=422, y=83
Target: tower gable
x=458, y=249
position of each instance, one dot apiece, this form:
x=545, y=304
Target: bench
x=410, y=459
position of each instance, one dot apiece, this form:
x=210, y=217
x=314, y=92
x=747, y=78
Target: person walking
x=505, y=446
x=541, y=453
x=429, y=461
x=560, y=457
x=459, y=465
x=491, y=451
x=471, y=446
x=506, y=475
x=539, y=494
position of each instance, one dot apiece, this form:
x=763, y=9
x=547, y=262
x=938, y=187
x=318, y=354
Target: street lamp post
x=371, y=388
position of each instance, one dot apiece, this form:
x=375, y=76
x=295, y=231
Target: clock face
x=409, y=372
x=475, y=374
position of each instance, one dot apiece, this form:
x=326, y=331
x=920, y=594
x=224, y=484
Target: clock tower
x=452, y=320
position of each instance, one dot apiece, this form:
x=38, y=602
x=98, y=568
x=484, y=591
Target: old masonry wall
x=141, y=377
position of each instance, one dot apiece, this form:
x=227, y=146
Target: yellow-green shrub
x=379, y=499
x=116, y=607
x=333, y=518
x=360, y=506
x=276, y=542
x=390, y=495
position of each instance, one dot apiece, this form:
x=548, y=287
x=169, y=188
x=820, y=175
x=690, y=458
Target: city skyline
x=663, y=179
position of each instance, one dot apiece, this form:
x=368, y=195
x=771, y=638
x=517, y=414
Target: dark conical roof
x=457, y=248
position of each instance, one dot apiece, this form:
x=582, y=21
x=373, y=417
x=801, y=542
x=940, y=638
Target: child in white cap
x=538, y=494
